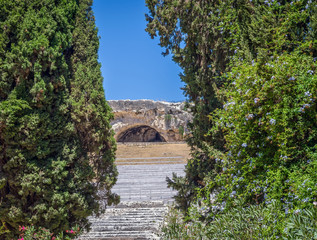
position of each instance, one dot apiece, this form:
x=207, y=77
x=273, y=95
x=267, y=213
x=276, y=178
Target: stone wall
x=148, y=120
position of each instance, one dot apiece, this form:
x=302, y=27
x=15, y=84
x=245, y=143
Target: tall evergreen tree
x=90, y=112
x=56, y=144
x=190, y=31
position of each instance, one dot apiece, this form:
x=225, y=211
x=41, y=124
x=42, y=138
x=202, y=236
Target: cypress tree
x=190, y=30
x=56, y=144
x=90, y=112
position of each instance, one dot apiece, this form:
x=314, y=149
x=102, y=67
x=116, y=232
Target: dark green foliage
x=191, y=34
x=220, y=42
x=90, y=112
x=56, y=145
x=267, y=117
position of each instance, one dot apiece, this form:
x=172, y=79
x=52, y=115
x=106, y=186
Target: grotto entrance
x=141, y=133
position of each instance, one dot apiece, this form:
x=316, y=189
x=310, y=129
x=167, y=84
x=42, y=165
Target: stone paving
x=144, y=202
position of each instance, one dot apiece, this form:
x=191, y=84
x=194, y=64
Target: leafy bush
x=33, y=233
x=174, y=227
x=270, y=128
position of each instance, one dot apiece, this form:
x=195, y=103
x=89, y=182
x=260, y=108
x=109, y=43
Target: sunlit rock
x=149, y=121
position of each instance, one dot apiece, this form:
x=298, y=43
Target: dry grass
x=157, y=153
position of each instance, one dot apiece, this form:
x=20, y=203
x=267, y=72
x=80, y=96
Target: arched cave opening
x=141, y=133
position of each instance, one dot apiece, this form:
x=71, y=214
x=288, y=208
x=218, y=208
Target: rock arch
x=140, y=133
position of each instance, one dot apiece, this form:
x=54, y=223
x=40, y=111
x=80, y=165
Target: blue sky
x=132, y=64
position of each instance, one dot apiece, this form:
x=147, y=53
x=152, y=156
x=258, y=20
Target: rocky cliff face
x=148, y=120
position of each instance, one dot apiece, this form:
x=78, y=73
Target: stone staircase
x=129, y=220
x=146, y=182
x=144, y=202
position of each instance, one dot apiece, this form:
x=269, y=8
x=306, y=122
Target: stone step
x=136, y=217
x=135, y=235
x=146, y=182
x=117, y=236
x=123, y=229
x=144, y=203
x=123, y=222
x=138, y=204
x=128, y=220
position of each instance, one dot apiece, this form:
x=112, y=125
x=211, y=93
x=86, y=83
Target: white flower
x=308, y=94
x=250, y=116
x=283, y=157
x=297, y=211
x=233, y=193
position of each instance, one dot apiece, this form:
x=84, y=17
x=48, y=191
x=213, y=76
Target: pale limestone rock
x=165, y=117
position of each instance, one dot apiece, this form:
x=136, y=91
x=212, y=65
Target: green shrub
x=270, y=128
x=34, y=233
x=174, y=227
